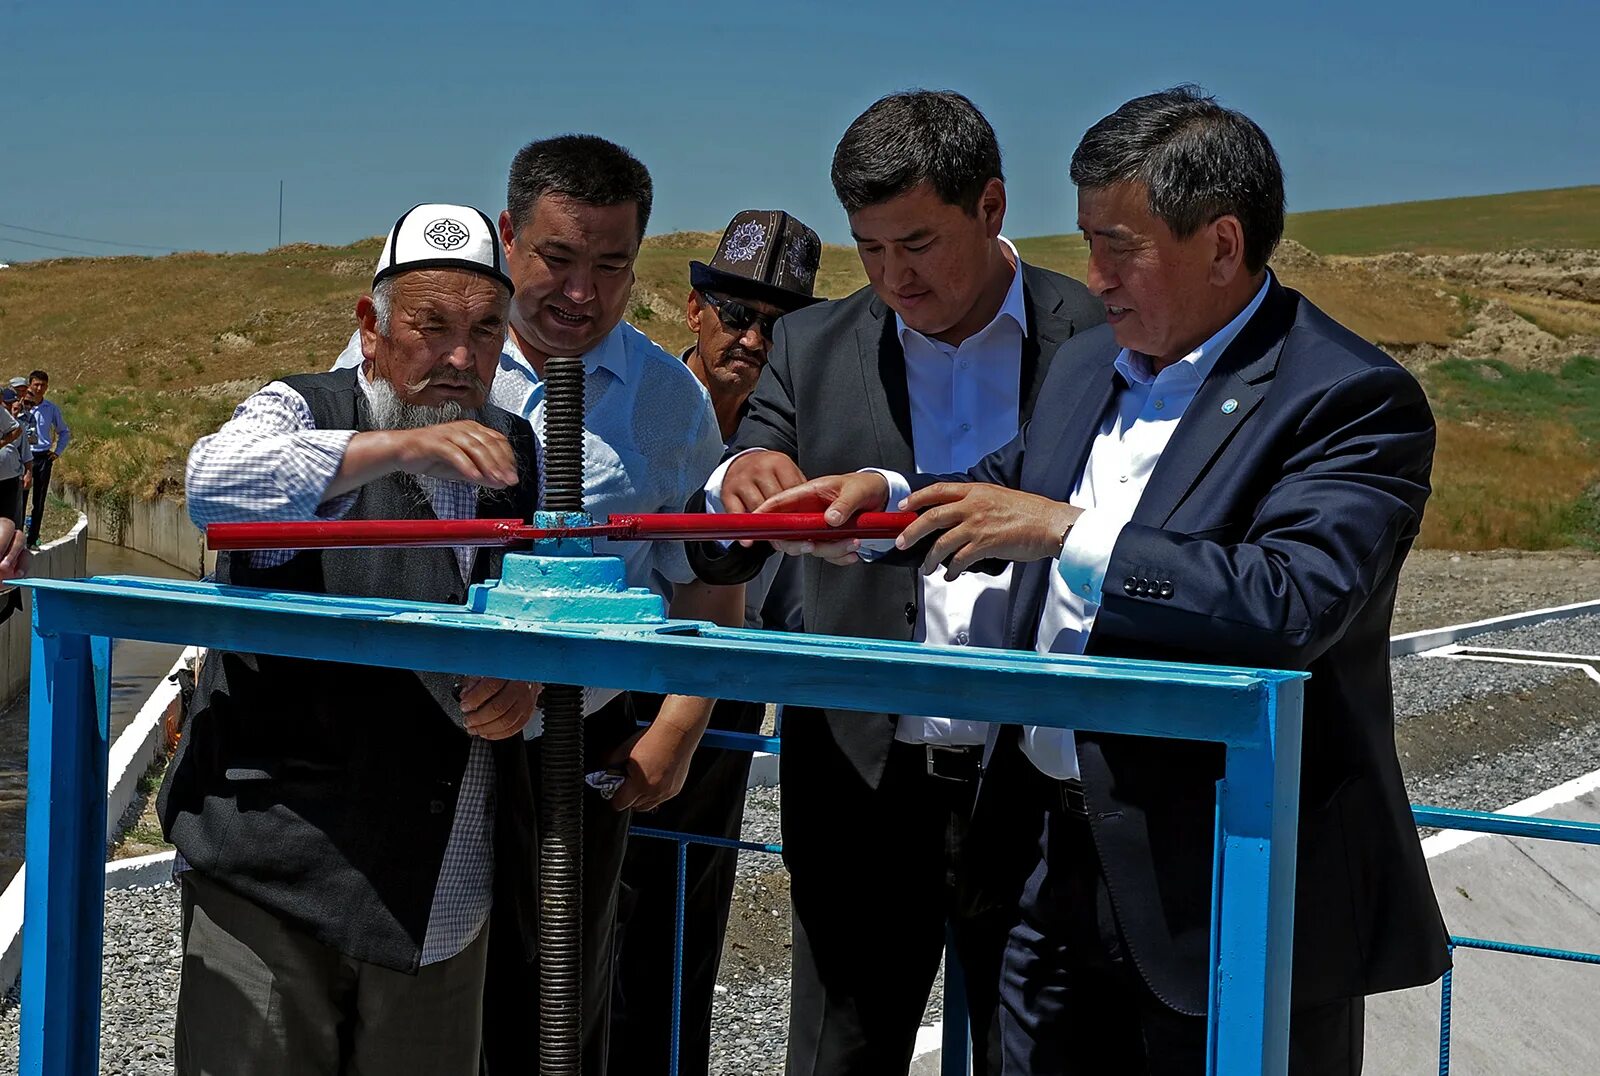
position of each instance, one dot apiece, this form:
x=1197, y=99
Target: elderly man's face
x=572, y=264
x=928, y=260
x=733, y=358
x=1160, y=291
x=446, y=330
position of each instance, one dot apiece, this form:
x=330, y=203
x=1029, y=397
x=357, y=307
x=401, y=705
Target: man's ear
x=694, y=312
x=1227, y=258
x=992, y=207
x=367, y=319
x=508, y=234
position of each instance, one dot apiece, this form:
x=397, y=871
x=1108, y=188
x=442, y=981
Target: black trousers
x=41, y=489
x=876, y=874
x=711, y=804
x=511, y=983
x=1071, y=999
x=12, y=496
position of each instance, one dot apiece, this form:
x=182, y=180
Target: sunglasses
x=736, y=317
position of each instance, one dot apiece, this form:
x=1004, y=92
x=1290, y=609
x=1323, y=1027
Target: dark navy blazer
x=1271, y=534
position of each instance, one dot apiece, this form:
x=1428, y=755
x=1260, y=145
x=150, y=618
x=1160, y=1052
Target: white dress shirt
x=1125, y=452
x=964, y=405
x=650, y=439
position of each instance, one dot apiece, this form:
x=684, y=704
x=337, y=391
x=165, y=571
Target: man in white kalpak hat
x=337, y=824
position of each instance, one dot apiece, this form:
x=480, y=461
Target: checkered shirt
x=270, y=462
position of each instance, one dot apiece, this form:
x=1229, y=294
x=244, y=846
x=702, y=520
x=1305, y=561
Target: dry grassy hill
x=1481, y=296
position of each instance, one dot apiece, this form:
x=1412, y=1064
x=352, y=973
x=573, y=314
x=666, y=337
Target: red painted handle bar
x=672, y=526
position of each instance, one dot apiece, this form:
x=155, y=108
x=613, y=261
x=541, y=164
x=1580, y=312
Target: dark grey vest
x=325, y=791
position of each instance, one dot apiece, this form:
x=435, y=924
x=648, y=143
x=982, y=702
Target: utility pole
x=280, y=212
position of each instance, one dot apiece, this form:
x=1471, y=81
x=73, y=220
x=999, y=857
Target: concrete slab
x=1511, y=1014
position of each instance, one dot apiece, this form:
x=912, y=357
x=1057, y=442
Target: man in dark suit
x=934, y=364
x=1223, y=474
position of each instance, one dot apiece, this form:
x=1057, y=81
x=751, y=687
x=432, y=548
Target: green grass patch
x=1488, y=388
x=1518, y=463
x=1567, y=217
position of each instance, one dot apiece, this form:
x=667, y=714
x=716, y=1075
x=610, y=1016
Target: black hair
x=39, y=375
x=585, y=168
x=1198, y=161
x=918, y=136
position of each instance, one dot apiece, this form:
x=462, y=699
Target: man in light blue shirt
x=49, y=443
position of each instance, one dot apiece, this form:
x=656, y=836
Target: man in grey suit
x=934, y=364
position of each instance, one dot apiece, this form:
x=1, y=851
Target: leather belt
x=1072, y=800
x=954, y=763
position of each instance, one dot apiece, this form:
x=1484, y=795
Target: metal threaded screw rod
x=561, y=766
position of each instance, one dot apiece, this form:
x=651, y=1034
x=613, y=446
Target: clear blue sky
x=171, y=123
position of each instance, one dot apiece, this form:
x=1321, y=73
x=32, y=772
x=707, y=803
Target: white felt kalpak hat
x=436, y=235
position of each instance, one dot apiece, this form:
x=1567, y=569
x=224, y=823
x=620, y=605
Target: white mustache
x=445, y=375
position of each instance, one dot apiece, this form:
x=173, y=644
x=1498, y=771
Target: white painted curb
x=1416, y=642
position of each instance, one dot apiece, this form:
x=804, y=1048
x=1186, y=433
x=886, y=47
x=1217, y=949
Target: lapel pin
x=1229, y=406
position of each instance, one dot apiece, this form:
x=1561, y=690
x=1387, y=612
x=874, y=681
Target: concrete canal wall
x=64, y=558
x=160, y=529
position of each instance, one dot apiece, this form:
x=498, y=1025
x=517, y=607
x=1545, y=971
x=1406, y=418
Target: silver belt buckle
x=933, y=751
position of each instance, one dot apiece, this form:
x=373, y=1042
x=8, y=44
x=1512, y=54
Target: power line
x=47, y=246
x=78, y=238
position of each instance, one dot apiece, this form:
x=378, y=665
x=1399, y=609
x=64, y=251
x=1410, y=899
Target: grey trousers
x=261, y=998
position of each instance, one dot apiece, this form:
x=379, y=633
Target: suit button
x=1129, y=586
x=436, y=806
x=911, y=612
x=1165, y=591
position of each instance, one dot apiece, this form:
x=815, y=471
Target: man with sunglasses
x=764, y=267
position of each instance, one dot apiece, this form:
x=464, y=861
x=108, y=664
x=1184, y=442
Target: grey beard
x=389, y=412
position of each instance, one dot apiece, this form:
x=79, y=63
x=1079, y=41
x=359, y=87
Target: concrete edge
x=1416, y=642
x=136, y=748
x=71, y=536
x=130, y=756
x=763, y=770
x=140, y=872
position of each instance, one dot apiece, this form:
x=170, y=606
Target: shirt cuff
x=870, y=549
x=1086, y=554
x=714, y=483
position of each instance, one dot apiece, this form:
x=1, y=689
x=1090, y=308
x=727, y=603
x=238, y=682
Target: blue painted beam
x=65, y=846
x=1096, y=694
x=1253, y=895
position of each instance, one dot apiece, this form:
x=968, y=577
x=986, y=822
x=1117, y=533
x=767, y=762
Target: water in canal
x=136, y=669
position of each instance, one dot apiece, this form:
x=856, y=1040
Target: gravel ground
x=140, y=994
x=1470, y=734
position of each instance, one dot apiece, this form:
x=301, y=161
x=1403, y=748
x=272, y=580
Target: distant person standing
x=50, y=441
x=14, y=458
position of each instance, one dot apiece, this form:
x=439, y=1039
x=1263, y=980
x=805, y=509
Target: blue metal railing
x=956, y=1040
x=1544, y=829
x=1254, y=714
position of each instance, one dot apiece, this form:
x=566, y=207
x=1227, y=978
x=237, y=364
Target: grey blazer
x=833, y=397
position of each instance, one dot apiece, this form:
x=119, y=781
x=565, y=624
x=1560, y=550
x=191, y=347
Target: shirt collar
x=1014, y=307
x=611, y=353
x=1195, y=366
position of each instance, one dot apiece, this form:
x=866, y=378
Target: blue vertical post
x=1258, y=803
x=679, y=900
x=64, y=900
